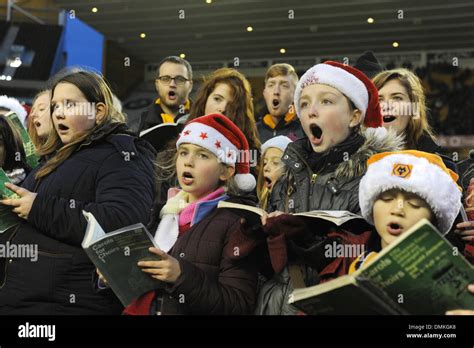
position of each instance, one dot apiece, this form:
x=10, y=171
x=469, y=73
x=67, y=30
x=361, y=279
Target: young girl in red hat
x=211, y=166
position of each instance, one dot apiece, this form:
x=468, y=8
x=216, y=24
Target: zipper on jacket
x=312, y=182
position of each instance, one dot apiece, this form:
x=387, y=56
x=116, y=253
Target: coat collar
x=372, y=141
x=204, y=208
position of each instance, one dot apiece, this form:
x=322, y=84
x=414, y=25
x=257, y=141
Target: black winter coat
x=152, y=116
x=427, y=144
x=111, y=176
x=328, y=181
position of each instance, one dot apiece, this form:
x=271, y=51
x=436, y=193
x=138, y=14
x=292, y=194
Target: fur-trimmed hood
x=376, y=140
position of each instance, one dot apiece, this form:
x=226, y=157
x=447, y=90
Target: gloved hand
x=243, y=240
x=279, y=229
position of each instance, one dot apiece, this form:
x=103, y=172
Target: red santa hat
x=351, y=82
x=219, y=135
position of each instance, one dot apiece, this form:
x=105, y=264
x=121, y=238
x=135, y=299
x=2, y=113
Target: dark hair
x=13, y=146
x=176, y=60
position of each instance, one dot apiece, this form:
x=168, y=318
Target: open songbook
x=116, y=255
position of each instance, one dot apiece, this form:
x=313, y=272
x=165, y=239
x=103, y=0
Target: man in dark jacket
x=174, y=82
x=280, y=83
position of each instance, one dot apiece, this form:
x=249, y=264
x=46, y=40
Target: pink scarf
x=186, y=215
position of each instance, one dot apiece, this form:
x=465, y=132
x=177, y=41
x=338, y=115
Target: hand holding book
x=166, y=270
x=22, y=203
x=8, y=218
x=116, y=254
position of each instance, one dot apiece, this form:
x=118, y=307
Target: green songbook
x=31, y=158
x=7, y=217
x=419, y=273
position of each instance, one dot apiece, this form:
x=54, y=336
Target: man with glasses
x=174, y=82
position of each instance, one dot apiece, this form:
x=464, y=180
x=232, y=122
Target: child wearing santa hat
x=211, y=166
x=271, y=167
x=340, y=114
x=401, y=188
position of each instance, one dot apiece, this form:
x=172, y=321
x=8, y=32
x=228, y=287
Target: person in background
x=40, y=124
x=280, y=84
x=12, y=153
x=403, y=105
x=174, y=82
x=225, y=91
x=228, y=92
x=271, y=167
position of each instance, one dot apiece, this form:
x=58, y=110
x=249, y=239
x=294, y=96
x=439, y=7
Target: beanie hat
x=219, y=135
x=280, y=142
x=368, y=64
x=14, y=105
x=351, y=82
x=421, y=173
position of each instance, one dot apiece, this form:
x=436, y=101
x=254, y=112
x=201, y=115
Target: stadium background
x=126, y=39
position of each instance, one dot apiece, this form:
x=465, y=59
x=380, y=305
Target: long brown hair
x=417, y=126
x=96, y=90
x=240, y=111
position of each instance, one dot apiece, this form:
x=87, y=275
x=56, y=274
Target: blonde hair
x=282, y=69
x=470, y=202
x=417, y=126
x=96, y=90
x=263, y=193
x=37, y=141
